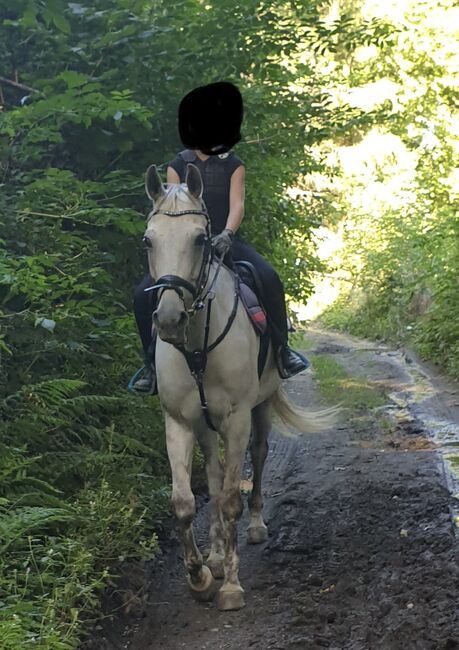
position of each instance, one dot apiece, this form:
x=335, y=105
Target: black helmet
x=210, y=118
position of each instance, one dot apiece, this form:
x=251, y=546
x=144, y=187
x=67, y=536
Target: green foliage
x=61, y=542
x=400, y=230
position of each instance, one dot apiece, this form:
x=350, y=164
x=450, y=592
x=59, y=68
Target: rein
x=197, y=359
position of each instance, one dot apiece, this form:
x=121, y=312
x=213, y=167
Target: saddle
x=251, y=294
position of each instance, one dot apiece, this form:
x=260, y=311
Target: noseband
x=175, y=282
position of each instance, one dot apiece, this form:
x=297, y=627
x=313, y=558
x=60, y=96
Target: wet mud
x=362, y=553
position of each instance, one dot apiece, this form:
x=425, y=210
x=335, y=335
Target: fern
x=79, y=480
x=19, y=522
x=52, y=391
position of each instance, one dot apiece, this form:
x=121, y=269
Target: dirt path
x=362, y=552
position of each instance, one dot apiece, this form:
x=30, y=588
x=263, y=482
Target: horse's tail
x=299, y=419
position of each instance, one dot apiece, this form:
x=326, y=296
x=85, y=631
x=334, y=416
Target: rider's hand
x=222, y=242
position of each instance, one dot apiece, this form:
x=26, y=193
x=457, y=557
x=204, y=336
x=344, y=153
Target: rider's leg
x=143, y=310
x=274, y=302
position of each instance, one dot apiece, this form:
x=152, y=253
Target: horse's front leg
x=236, y=434
x=208, y=441
x=180, y=444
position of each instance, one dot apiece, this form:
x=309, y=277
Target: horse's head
x=178, y=244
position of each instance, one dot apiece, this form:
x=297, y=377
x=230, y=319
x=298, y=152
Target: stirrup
x=286, y=373
x=306, y=362
x=131, y=385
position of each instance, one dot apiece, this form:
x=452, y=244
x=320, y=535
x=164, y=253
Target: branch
x=69, y=216
x=16, y=84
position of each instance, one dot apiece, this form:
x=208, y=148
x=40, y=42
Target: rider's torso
x=216, y=174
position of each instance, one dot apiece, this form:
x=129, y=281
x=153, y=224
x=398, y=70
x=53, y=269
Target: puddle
x=446, y=435
x=420, y=404
x=414, y=443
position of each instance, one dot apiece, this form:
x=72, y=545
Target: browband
x=179, y=213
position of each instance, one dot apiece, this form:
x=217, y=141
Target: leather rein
x=197, y=359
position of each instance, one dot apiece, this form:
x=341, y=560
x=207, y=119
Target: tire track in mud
x=362, y=553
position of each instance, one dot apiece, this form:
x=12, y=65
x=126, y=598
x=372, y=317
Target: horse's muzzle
x=171, y=325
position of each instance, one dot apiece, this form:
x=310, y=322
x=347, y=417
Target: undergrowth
x=61, y=543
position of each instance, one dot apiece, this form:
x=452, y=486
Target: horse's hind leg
x=208, y=441
x=257, y=531
x=180, y=444
x=236, y=435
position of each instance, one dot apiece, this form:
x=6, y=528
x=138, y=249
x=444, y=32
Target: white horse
x=188, y=281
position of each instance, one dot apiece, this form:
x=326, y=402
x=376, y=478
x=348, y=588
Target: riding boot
x=147, y=383
x=290, y=362
x=144, y=305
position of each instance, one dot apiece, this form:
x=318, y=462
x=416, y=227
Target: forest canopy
x=350, y=142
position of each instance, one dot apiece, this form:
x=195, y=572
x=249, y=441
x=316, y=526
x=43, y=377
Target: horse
x=208, y=383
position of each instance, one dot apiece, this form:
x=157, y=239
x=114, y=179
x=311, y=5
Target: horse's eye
x=200, y=240
x=147, y=242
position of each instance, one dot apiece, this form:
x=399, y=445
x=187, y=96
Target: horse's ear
x=194, y=181
x=153, y=186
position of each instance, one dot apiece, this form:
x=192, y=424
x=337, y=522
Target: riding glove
x=222, y=242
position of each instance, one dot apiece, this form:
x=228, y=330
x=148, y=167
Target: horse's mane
x=177, y=197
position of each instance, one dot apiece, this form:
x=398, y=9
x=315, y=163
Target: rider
x=204, y=115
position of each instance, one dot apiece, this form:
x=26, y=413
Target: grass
x=299, y=341
x=338, y=386
x=453, y=460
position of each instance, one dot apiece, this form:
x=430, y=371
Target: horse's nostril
x=169, y=321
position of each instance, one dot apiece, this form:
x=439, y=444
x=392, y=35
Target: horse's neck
x=222, y=306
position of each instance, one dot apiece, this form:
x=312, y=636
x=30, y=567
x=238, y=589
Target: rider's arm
x=236, y=202
x=172, y=176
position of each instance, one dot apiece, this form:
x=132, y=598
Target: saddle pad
x=253, y=308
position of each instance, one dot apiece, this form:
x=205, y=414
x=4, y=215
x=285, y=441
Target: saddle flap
x=254, y=309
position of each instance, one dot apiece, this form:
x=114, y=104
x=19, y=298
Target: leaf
x=77, y=8
x=54, y=13
x=46, y=323
x=61, y=23
x=21, y=521
x=4, y=346
x=118, y=115
x=29, y=17
x=74, y=613
x=73, y=79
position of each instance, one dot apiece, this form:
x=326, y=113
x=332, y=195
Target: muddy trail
x=362, y=552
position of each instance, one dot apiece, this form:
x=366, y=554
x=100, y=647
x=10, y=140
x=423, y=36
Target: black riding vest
x=216, y=174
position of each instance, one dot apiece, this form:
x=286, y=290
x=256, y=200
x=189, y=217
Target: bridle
x=197, y=359
x=175, y=282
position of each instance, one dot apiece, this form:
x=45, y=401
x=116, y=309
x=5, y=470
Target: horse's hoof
x=216, y=565
x=230, y=599
x=257, y=534
x=206, y=588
